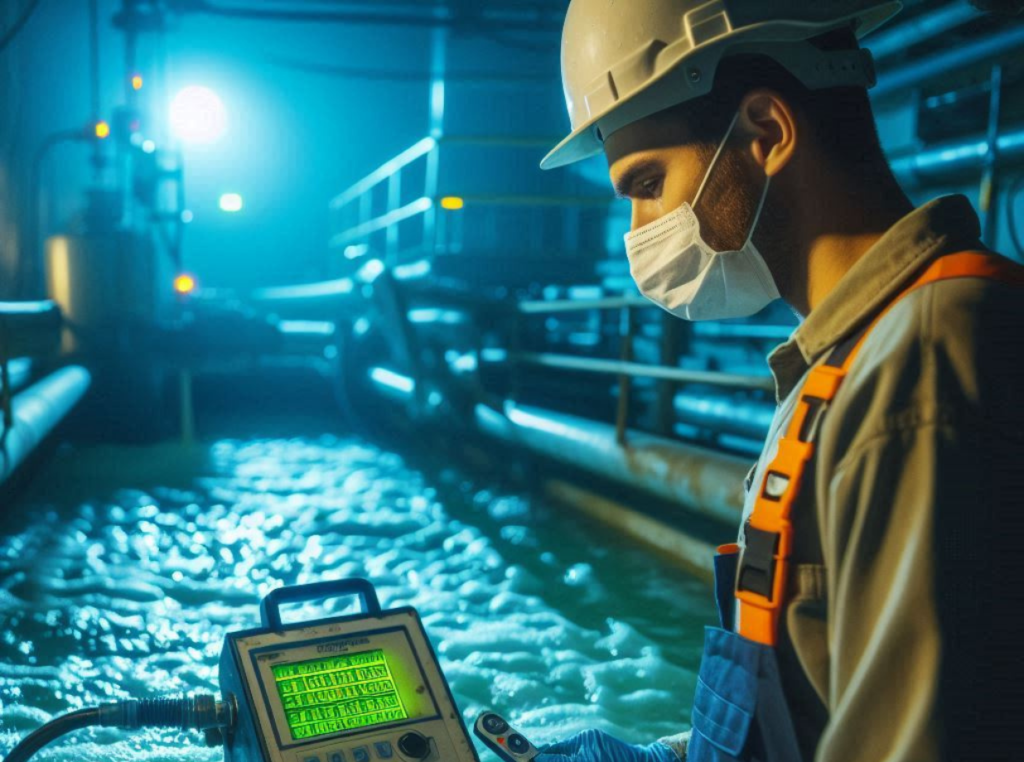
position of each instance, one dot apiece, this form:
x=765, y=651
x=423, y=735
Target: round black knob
x=517, y=744
x=414, y=745
x=493, y=724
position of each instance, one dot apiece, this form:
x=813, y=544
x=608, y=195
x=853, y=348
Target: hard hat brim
x=583, y=142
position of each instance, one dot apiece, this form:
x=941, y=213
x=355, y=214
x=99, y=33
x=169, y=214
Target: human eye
x=648, y=187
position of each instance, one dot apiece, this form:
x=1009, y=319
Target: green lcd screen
x=338, y=693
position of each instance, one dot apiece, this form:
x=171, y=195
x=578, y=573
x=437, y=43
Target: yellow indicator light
x=184, y=284
x=137, y=82
x=102, y=130
x=452, y=203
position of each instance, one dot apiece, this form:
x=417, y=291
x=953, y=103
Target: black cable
x=51, y=731
x=13, y=29
x=202, y=712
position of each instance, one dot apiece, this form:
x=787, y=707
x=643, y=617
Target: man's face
x=654, y=165
x=657, y=181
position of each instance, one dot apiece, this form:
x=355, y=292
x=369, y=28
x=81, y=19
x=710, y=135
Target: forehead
x=664, y=130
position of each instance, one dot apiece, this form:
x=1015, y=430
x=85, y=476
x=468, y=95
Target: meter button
x=494, y=725
x=336, y=756
x=305, y=756
x=361, y=754
x=414, y=746
x=517, y=744
x=384, y=750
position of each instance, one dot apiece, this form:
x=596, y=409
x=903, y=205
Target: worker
x=866, y=608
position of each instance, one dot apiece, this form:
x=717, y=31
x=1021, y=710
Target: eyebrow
x=624, y=184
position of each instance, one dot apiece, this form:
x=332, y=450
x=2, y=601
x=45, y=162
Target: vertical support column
x=438, y=66
x=625, y=381
x=6, y=393
x=989, y=194
x=394, y=202
x=430, y=191
x=186, y=410
x=94, y=83
x=669, y=350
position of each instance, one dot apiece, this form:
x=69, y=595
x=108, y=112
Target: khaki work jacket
x=896, y=643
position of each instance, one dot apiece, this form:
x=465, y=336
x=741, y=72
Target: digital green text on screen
x=337, y=693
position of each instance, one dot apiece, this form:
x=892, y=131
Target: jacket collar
x=943, y=226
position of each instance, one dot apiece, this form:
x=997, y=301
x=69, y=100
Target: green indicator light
x=338, y=693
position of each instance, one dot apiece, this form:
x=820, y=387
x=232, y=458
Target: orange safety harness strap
x=768, y=533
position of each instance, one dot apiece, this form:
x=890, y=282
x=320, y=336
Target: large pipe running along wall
x=708, y=482
x=37, y=411
x=940, y=162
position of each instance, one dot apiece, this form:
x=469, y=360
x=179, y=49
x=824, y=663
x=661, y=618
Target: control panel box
x=359, y=688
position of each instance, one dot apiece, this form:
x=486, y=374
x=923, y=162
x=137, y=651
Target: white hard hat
x=623, y=60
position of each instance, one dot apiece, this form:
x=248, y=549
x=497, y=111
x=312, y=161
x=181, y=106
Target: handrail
x=419, y=206
x=546, y=306
x=620, y=368
x=384, y=171
x=299, y=291
x=499, y=140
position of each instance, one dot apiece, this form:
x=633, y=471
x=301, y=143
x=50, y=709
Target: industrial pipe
x=947, y=159
x=692, y=553
x=724, y=414
x=920, y=29
x=19, y=371
x=988, y=48
x=705, y=481
x=36, y=412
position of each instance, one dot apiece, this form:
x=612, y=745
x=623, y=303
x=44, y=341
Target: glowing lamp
x=184, y=284
x=197, y=115
x=137, y=82
x=452, y=203
x=102, y=130
x=231, y=202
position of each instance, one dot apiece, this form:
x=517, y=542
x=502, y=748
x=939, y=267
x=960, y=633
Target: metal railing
x=374, y=214
x=668, y=374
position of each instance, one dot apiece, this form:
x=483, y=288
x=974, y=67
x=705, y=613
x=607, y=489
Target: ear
x=772, y=126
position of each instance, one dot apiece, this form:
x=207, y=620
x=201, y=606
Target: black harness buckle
x=757, y=562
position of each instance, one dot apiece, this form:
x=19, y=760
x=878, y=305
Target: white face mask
x=675, y=268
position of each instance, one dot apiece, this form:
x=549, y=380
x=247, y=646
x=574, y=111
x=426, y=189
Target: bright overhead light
x=231, y=202
x=198, y=115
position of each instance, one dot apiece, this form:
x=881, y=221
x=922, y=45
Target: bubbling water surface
x=121, y=568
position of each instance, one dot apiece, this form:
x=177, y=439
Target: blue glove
x=598, y=746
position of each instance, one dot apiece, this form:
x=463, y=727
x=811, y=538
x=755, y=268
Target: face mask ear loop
x=760, y=207
x=714, y=159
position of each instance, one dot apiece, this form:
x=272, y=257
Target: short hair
x=841, y=119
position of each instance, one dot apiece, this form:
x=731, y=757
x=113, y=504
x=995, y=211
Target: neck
x=837, y=227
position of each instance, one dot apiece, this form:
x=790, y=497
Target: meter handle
x=270, y=611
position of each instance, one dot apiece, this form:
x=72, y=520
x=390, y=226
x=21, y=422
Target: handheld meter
x=358, y=688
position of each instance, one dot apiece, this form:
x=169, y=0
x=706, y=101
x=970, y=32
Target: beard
x=727, y=209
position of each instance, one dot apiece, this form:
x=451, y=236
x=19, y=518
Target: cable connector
x=199, y=712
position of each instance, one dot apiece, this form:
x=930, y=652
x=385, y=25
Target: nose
x=643, y=213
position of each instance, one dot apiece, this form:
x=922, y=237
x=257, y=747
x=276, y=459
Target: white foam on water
x=112, y=592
